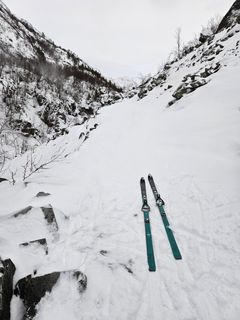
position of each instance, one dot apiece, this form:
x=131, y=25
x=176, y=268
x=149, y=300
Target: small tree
x=178, y=42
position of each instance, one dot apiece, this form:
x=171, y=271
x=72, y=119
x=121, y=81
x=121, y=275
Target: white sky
x=119, y=37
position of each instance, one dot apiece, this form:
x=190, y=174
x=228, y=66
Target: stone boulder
x=50, y=217
x=203, y=37
x=32, y=289
x=7, y=270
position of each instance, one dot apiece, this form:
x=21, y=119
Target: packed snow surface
x=192, y=149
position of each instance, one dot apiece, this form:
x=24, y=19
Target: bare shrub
x=34, y=164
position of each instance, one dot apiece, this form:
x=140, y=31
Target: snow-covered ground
x=192, y=149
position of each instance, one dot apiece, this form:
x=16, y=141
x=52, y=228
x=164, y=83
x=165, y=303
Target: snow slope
x=192, y=149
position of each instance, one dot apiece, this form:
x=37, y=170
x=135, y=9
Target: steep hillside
x=44, y=89
x=198, y=62
x=232, y=17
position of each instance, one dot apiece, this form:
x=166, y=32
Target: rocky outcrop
x=153, y=82
x=50, y=218
x=231, y=17
x=32, y=289
x=7, y=270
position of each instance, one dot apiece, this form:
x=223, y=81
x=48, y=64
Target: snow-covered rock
x=32, y=289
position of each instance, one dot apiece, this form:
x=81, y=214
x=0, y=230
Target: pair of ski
x=146, y=210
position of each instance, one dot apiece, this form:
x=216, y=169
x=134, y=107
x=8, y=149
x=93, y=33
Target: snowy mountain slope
x=197, y=63
x=192, y=150
x=44, y=89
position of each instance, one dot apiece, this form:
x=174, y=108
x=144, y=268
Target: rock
x=190, y=83
x=211, y=58
x=170, y=103
x=7, y=270
x=166, y=67
x=86, y=136
x=129, y=270
x=94, y=127
x=50, y=217
x=197, y=84
x=142, y=93
x=88, y=111
x=23, y=211
x=210, y=70
x=42, y=242
x=231, y=17
x=203, y=38
x=82, y=134
x=103, y=252
x=181, y=90
x=25, y=127
x=32, y=289
x=42, y=194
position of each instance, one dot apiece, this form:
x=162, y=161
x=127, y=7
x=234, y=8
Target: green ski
x=160, y=203
x=149, y=244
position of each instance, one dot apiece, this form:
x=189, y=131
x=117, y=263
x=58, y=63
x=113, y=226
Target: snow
x=192, y=151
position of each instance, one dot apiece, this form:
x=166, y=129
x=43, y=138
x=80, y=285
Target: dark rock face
x=210, y=70
x=42, y=194
x=23, y=211
x=32, y=290
x=50, y=217
x=7, y=270
x=203, y=38
x=232, y=16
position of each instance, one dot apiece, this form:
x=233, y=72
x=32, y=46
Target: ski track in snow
x=194, y=159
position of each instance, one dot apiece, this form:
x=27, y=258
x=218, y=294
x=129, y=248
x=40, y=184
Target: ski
x=160, y=203
x=148, y=234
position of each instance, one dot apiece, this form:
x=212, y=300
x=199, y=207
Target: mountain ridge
x=44, y=88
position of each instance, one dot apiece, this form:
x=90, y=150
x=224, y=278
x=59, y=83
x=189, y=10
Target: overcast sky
x=119, y=37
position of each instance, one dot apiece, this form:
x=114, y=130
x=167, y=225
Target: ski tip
x=142, y=180
x=149, y=176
